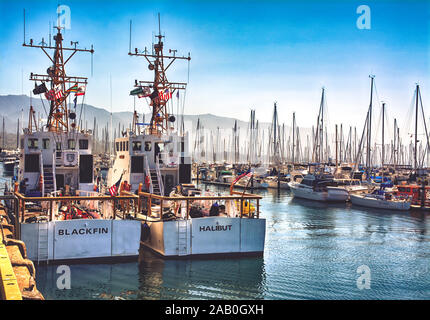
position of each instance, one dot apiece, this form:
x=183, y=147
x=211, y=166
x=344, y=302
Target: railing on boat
x=120, y=205
x=237, y=196
x=123, y=205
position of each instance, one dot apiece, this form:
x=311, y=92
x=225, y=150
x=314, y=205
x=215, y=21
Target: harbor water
x=312, y=251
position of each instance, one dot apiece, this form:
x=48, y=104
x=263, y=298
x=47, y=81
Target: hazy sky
x=245, y=54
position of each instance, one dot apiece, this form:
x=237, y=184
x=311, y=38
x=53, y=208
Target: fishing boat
x=415, y=192
x=318, y=188
x=177, y=218
x=381, y=199
x=60, y=213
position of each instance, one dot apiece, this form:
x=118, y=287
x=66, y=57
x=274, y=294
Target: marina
x=281, y=198
x=312, y=251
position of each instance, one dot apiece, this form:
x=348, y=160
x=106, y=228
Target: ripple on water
x=312, y=251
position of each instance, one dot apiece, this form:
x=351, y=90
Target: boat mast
x=318, y=148
x=383, y=145
x=294, y=130
x=163, y=90
x=58, y=118
x=416, y=128
x=369, y=126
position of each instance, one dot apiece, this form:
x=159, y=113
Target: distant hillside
x=11, y=107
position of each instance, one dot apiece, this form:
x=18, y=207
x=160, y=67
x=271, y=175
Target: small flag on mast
x=141, y=92
x=54, y=94
x=40, y=89
x=73, y=88
x=80, y=91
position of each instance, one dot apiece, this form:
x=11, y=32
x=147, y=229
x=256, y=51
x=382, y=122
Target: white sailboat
x=381, y=199
x=318, y=189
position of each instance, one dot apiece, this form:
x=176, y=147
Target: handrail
x=159, y=178
x=53, y=172
x=241, y=197
x=42, y=175
x=71, y=198
x=148, y=173
x=230, y=197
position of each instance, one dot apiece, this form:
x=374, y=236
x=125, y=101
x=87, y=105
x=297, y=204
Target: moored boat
x=319, y=189
x=177, y=218
x=60, y=213
x=381, y=199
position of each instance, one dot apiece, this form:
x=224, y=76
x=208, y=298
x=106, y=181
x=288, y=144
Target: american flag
x=114, y=189
x=54, y=94
x=245, y=174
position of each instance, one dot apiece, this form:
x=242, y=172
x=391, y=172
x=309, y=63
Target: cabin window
x=148, y=146
x=136, y=164
x=137, y=146
x=31, y=163
x=71, y=144
x=121, y=146
x=126, y=146
x=117, y=146
x=33, y=143
x=83, y=144
x=45, y=143
x=58, y=146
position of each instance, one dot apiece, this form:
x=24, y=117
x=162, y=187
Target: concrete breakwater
x=17, y=273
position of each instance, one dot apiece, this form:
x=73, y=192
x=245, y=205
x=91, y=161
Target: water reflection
x=312, y=251
x=240, y=278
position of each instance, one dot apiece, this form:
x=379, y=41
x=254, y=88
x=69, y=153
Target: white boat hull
x=337, y=194
x=308, y=193
x=81, y=238
x=363, y=201
x=207, y=236
x=333, y=194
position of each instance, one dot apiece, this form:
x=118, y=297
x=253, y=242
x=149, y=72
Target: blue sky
x=245, y=54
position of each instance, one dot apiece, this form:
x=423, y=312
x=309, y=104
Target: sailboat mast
x=369, y=126
x=383, y=145
x=322, y=127
x=294, y=130
x=416, y=127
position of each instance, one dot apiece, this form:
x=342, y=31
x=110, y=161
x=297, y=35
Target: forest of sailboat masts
x=378, y=140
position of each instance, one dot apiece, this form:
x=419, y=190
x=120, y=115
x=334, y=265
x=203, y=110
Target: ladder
x=48, y=179
x=182, y=237
x=42, y=243
x=154, y=182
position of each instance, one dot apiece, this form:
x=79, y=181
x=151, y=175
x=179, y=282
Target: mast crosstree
x=58, y=117
x=162, y=89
